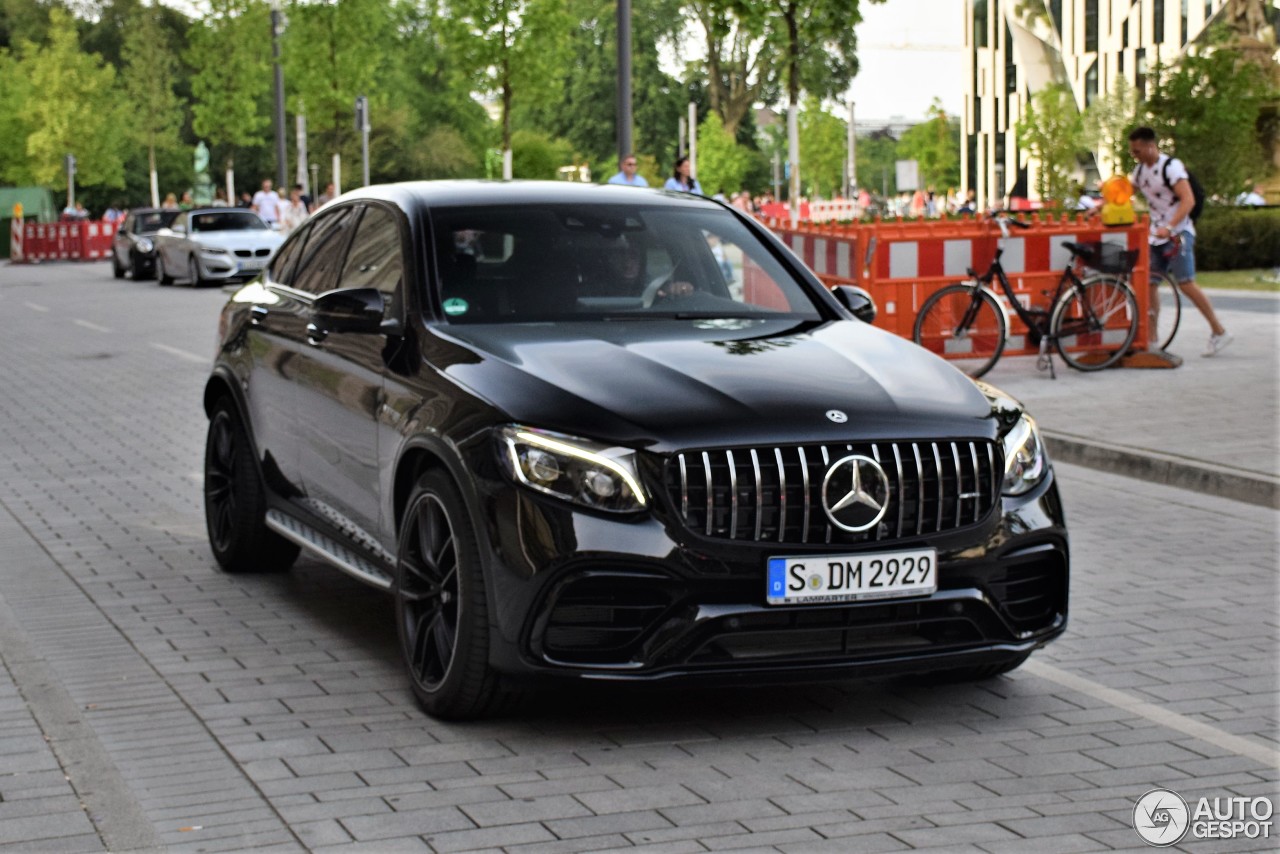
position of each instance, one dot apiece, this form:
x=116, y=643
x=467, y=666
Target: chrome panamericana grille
x=774, y=494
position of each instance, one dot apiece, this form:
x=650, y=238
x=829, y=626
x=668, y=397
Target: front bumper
x=230, y=266
x=578, y=595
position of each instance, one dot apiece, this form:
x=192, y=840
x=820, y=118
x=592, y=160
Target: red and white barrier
x=16, y=233
x=89, y=240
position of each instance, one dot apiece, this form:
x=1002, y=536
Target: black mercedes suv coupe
x=616, y=434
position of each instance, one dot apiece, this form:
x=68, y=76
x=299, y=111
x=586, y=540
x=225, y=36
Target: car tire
x=441, y=607
x=193, y=272
x=162, y=275
x=135, y=268
x=235, y=500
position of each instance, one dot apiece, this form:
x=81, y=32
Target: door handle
x=316, y=335
x=258, y=313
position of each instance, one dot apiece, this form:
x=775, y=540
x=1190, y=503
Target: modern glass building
x=1017, y=47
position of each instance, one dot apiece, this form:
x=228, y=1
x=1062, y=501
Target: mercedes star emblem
x=855, y=493
x=837, y=416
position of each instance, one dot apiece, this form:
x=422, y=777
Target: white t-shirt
x=267, y=205
x=1161, y=199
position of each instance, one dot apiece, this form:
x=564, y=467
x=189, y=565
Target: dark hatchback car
x=617, y=434
x=133, y=249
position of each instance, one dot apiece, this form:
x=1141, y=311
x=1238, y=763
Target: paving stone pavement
x=148, y=701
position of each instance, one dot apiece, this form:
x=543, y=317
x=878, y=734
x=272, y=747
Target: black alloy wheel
x=235, y=502
x=162, y=275
x=441, y=613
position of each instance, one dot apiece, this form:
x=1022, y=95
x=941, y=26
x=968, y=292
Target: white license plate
x=814, y=579
x=248, y=267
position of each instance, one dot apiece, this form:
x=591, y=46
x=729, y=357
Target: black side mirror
x=349, y=310
x=857, y=300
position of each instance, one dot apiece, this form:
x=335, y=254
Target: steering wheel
x=650, y=295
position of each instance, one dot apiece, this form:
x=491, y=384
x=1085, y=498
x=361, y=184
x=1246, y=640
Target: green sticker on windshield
x=455, y=306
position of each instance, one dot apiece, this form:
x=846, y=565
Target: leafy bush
x=1238, y=238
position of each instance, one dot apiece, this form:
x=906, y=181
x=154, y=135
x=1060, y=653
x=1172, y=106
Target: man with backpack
x=1174, y=199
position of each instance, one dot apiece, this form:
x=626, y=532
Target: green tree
x=150, y=68
x=328, y=63
x=15, y=168
x=738, y=66
x=824, y=139
x=514, y=45
x=74, y=108
x=935, y=145
x=1052, y=131
x=816, y=42
x=23, y=21
x=1107, y=122
x=1206, y=110
x=537, y=155
x=876, y=156
x=230, y=52
x=722, y=163
x=581, y=106
x=430, y=75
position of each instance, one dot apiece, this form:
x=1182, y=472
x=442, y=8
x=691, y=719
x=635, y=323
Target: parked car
x=571, y=443
x=133, y=248
x=214, y=244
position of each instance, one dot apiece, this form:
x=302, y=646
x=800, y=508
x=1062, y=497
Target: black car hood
x=682, y=383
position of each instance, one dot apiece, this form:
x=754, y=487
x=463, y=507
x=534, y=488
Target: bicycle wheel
x=963, y=324
x=1165, y=323
x=1094, y=324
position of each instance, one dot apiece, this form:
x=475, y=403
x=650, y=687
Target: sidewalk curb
x=1169, y=469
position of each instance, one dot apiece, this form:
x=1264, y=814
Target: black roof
x=411, y=194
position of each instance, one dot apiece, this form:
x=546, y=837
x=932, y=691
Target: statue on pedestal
x=202, y=186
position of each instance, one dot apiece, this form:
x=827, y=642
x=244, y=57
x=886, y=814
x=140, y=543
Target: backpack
x=1197, y=191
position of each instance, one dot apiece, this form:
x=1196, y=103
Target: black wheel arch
x=223, y=384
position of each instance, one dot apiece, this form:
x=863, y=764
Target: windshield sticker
x=456, y=306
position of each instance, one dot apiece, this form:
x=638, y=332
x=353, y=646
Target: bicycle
x=1165, y=313
x=1091, y=322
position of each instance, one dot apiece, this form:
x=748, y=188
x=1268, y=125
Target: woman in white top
x=292, y=212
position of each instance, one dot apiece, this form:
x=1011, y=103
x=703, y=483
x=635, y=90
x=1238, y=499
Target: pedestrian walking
x=1166, y=185
x=266, y=203
x=325, y=197
x=293, y=212
x=627, y=175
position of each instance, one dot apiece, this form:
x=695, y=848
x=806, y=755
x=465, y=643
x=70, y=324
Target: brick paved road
x=147, y=700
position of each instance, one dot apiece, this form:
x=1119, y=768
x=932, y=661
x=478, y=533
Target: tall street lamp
x=282, y=155
x=624, y=79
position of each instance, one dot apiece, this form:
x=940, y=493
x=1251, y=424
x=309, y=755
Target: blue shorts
x=1181, y=266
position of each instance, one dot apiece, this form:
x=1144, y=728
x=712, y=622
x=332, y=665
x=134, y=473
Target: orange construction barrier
x=902, y=262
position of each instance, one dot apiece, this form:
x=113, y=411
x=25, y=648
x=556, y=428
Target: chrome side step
x=344, y=558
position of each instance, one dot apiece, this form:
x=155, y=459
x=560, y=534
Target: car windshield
x=227, y=221
x=154, y=220
x=525, y=263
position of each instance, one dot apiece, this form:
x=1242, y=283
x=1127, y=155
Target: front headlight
x=573, y=469
x=1025, y=462
x=144, y=245
x=213, y=250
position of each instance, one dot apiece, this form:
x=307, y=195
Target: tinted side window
x=285, y=264
x=324, y=251
x=375, y=259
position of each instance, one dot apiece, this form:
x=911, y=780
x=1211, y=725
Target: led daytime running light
x=540, y=441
